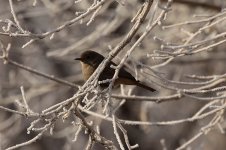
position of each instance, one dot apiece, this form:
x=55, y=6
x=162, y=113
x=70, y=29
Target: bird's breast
x=87, y=70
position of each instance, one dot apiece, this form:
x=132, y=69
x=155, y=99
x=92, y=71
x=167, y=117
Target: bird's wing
x=109, y=72
x=125, y=74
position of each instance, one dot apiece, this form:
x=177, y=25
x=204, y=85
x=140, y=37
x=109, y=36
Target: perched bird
x=90, y=60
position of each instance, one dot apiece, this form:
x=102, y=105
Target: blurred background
x=202, y=21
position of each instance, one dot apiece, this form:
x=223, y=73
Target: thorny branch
x=203, y=36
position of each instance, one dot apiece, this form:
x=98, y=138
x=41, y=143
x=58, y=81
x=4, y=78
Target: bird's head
x=91, y=58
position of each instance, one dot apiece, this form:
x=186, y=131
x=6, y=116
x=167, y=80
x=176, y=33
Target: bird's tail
x=145, y=86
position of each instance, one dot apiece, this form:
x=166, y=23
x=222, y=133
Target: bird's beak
x=78, y=59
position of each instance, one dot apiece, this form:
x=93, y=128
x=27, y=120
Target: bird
x=90, y=60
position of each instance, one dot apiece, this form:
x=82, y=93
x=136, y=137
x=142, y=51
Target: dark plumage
x=90, y=60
